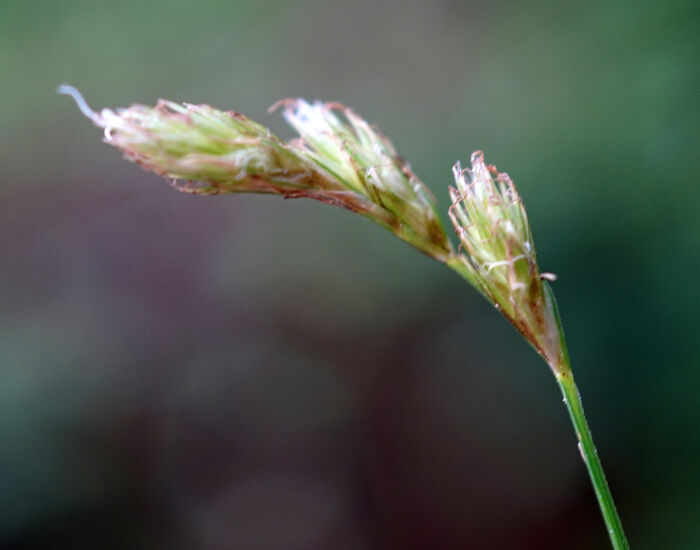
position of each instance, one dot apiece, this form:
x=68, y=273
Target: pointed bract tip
x=67, y=89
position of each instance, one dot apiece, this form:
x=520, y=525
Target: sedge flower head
x=497, y=254
x=338, y=159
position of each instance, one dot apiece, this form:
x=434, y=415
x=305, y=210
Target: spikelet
x=339, y=159
x=497, y=254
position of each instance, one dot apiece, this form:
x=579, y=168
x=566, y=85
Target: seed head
x=497, y=254
x=338, y=159
x=343, y=144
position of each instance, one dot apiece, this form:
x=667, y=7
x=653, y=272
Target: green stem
x=572, y=398
x=561, y=366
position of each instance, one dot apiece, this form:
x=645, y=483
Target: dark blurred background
x=243, y=372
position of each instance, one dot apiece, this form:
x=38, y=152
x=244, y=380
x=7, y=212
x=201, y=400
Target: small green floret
x=499, y=253
x=338, y=159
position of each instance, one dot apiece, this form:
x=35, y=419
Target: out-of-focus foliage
x=247, y=372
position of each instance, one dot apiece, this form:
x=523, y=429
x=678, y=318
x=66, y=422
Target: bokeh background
x=243, y=372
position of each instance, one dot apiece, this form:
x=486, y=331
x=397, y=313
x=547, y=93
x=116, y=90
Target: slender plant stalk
x=589, y=453
x=572, y=398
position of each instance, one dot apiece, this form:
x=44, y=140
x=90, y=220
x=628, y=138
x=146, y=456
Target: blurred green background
x=250, y=373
